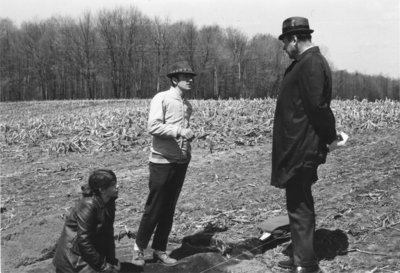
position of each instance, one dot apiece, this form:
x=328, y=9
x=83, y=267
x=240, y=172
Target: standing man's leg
x=165, y=185
x=160, y=175
x=166, y=218
x=300, y=207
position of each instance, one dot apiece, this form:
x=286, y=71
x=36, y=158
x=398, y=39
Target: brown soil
x=358, y=193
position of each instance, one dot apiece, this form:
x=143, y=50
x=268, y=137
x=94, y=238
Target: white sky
x=360, y=35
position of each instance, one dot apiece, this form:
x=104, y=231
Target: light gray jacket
x=169, y=113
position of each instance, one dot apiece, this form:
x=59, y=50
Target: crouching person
x=87, y=243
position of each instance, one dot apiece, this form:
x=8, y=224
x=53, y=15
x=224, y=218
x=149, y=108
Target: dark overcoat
x=87, y=239
x=304, y=123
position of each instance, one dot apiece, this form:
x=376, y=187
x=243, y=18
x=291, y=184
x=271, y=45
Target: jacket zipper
x=183, y=125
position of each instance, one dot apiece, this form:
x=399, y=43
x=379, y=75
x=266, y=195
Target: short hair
x=99, y=179
x=176, y=76
x=172, y=82
x=302, y=37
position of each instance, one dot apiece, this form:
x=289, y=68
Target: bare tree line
x=122, y=53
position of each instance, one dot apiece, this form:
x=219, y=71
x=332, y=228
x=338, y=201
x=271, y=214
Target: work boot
x=286, y=264
x=138, y=257
x=163, y=257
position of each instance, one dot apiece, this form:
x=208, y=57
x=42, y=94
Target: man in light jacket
x=169, y=159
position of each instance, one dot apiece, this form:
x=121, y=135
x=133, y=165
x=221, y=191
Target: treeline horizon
x=121, y=53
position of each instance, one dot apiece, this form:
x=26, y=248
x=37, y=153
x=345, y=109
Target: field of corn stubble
x=48, y=149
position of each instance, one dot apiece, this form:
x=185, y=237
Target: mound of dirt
x=198, y=263
x=31, y=242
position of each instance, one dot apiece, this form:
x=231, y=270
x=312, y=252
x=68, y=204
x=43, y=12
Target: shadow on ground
x=203, y=252
x=327, y=244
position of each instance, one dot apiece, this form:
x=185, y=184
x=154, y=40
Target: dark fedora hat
x=181, y=67
x=295, y=25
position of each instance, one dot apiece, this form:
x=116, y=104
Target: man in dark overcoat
x=304, y=128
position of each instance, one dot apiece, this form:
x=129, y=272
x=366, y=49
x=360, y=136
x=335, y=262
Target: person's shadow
x=327, y=244
x=205, y=241
x=130, y=268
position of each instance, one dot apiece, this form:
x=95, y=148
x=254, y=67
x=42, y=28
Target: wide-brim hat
x=181, y=67
x=295, y=25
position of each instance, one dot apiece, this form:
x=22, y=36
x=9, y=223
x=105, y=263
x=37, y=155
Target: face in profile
x=110, y=193
x=289, y=46
x=184, y=81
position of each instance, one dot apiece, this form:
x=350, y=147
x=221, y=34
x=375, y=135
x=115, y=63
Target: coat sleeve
x=314, y=81
x=156, y=123
x=86, y=226
x=110, y=236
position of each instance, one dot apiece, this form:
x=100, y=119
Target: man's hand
x=339, y=142
x=187, y=133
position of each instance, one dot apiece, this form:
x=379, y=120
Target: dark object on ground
x=327, y=244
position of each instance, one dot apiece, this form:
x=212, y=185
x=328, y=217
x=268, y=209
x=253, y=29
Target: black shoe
x=306, y=269
x=286, y=264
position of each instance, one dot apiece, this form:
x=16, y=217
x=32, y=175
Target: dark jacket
x=87, y=237
x=304, y=123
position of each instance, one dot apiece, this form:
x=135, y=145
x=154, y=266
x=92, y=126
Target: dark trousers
x=165, y=185
x=300, y=207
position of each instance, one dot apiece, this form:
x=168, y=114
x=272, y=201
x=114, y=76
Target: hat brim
x=296, y=31
x=169, y=75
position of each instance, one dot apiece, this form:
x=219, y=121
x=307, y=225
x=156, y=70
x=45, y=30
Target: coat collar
x=313, y=49
x=176, y=93
x=99, y=201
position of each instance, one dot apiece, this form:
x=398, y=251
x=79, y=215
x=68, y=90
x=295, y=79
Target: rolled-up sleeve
x=156, y=122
